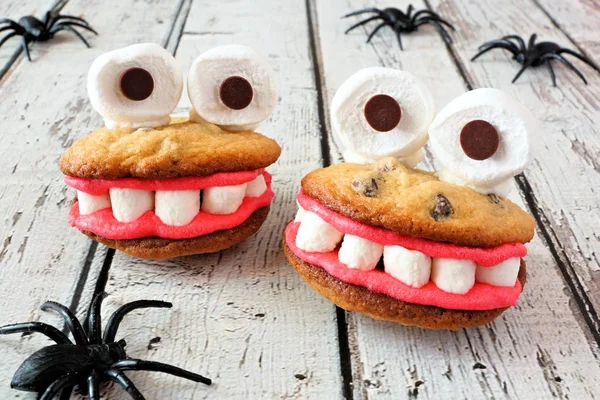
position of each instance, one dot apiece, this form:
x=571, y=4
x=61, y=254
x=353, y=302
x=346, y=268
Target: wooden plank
x=45, y=108
x=580, y=22
x=541, y=349
x=243, y=316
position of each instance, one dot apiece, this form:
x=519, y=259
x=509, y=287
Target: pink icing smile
x=485, y=257
x=98, y=187
x=103, y=222
x=481, y=296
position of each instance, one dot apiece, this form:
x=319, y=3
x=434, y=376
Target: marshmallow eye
x=380, y=112
x=482, y=138
x=233, y=87
x=137, y=86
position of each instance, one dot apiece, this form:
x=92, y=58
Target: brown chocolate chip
x=479, y=139
x=236, y=92
x=442, y=209
x=382, y=112
x=366, y=187
x=136, y=84
x=493, y=198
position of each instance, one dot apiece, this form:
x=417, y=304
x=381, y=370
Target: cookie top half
x=411, y=202
x=182, y=148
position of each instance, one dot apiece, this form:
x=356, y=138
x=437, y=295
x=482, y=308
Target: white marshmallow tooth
x=503, y=274
x=223, y=199
x=89, y=204
x=359, y=253
x=381, y=112
x=256, y=187
x=137, y=86
x=410, y=267
x=130, y=204
x=453, y=275
x=316, y=235
x=233, y=87
x=177, y=207
x=300, y=214
x=483, y=138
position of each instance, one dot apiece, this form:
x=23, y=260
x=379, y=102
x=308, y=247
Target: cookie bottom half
x=383, y=307
x=155, y=248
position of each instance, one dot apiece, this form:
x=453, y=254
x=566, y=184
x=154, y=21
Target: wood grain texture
x=579, y=21
x=525, y=353
x=45, y=108
x=241, y=317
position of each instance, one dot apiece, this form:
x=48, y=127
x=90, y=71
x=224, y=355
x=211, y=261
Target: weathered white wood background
x=243, y=317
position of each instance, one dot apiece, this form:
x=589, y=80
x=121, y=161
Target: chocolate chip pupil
x=136, y=84
x=236, y=93
x=479, y=140
x=382, y=112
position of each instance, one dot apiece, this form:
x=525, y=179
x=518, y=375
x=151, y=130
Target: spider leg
x=424, y=12
x=9, y=21
x=438, y=20
x=71, y=17
x=6, y=28
x=5, y=38
x=364, y=21
x=567, y=62
x=125, y=383
x=518, y=39
x=439, y=27
x=115, y=319
x=364, y=10
x=94, y=322
x=66, y=392
x=61, y=27
x=58, y=385
x=494, y=46
x=399, y=40
x=142, y=365
x=93, y=386
x=523, y=68
x=72, y=322
x=73, y=23
x=549, y=63
x=26, y=48
x=505, y=44
x=377, y=28
x=40, y=327
x=579, y=56
x=532, y=40
x=409, y=10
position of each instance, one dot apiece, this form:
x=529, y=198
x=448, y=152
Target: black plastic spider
x=534, y=54
x=32, y=29
x=402, y=22
x=91, y=360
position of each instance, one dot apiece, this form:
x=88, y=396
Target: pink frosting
x=481, y=296
x=103, y=222
x=486, y=257
x=97, y=187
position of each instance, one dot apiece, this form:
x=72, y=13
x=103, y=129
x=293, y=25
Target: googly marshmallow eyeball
x=380, y=112
x=232, y=86
x=482, y=139
x=136, y=86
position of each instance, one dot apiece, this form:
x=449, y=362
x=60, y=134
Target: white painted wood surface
x=243, y=317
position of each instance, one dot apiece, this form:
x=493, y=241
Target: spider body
x=91, y=360
x=50, y=363
x=32, y=29
x=535, y=54
x=401, y=22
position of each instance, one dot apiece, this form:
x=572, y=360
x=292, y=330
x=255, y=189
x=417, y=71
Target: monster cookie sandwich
x=439, y=251
x=159, y=187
